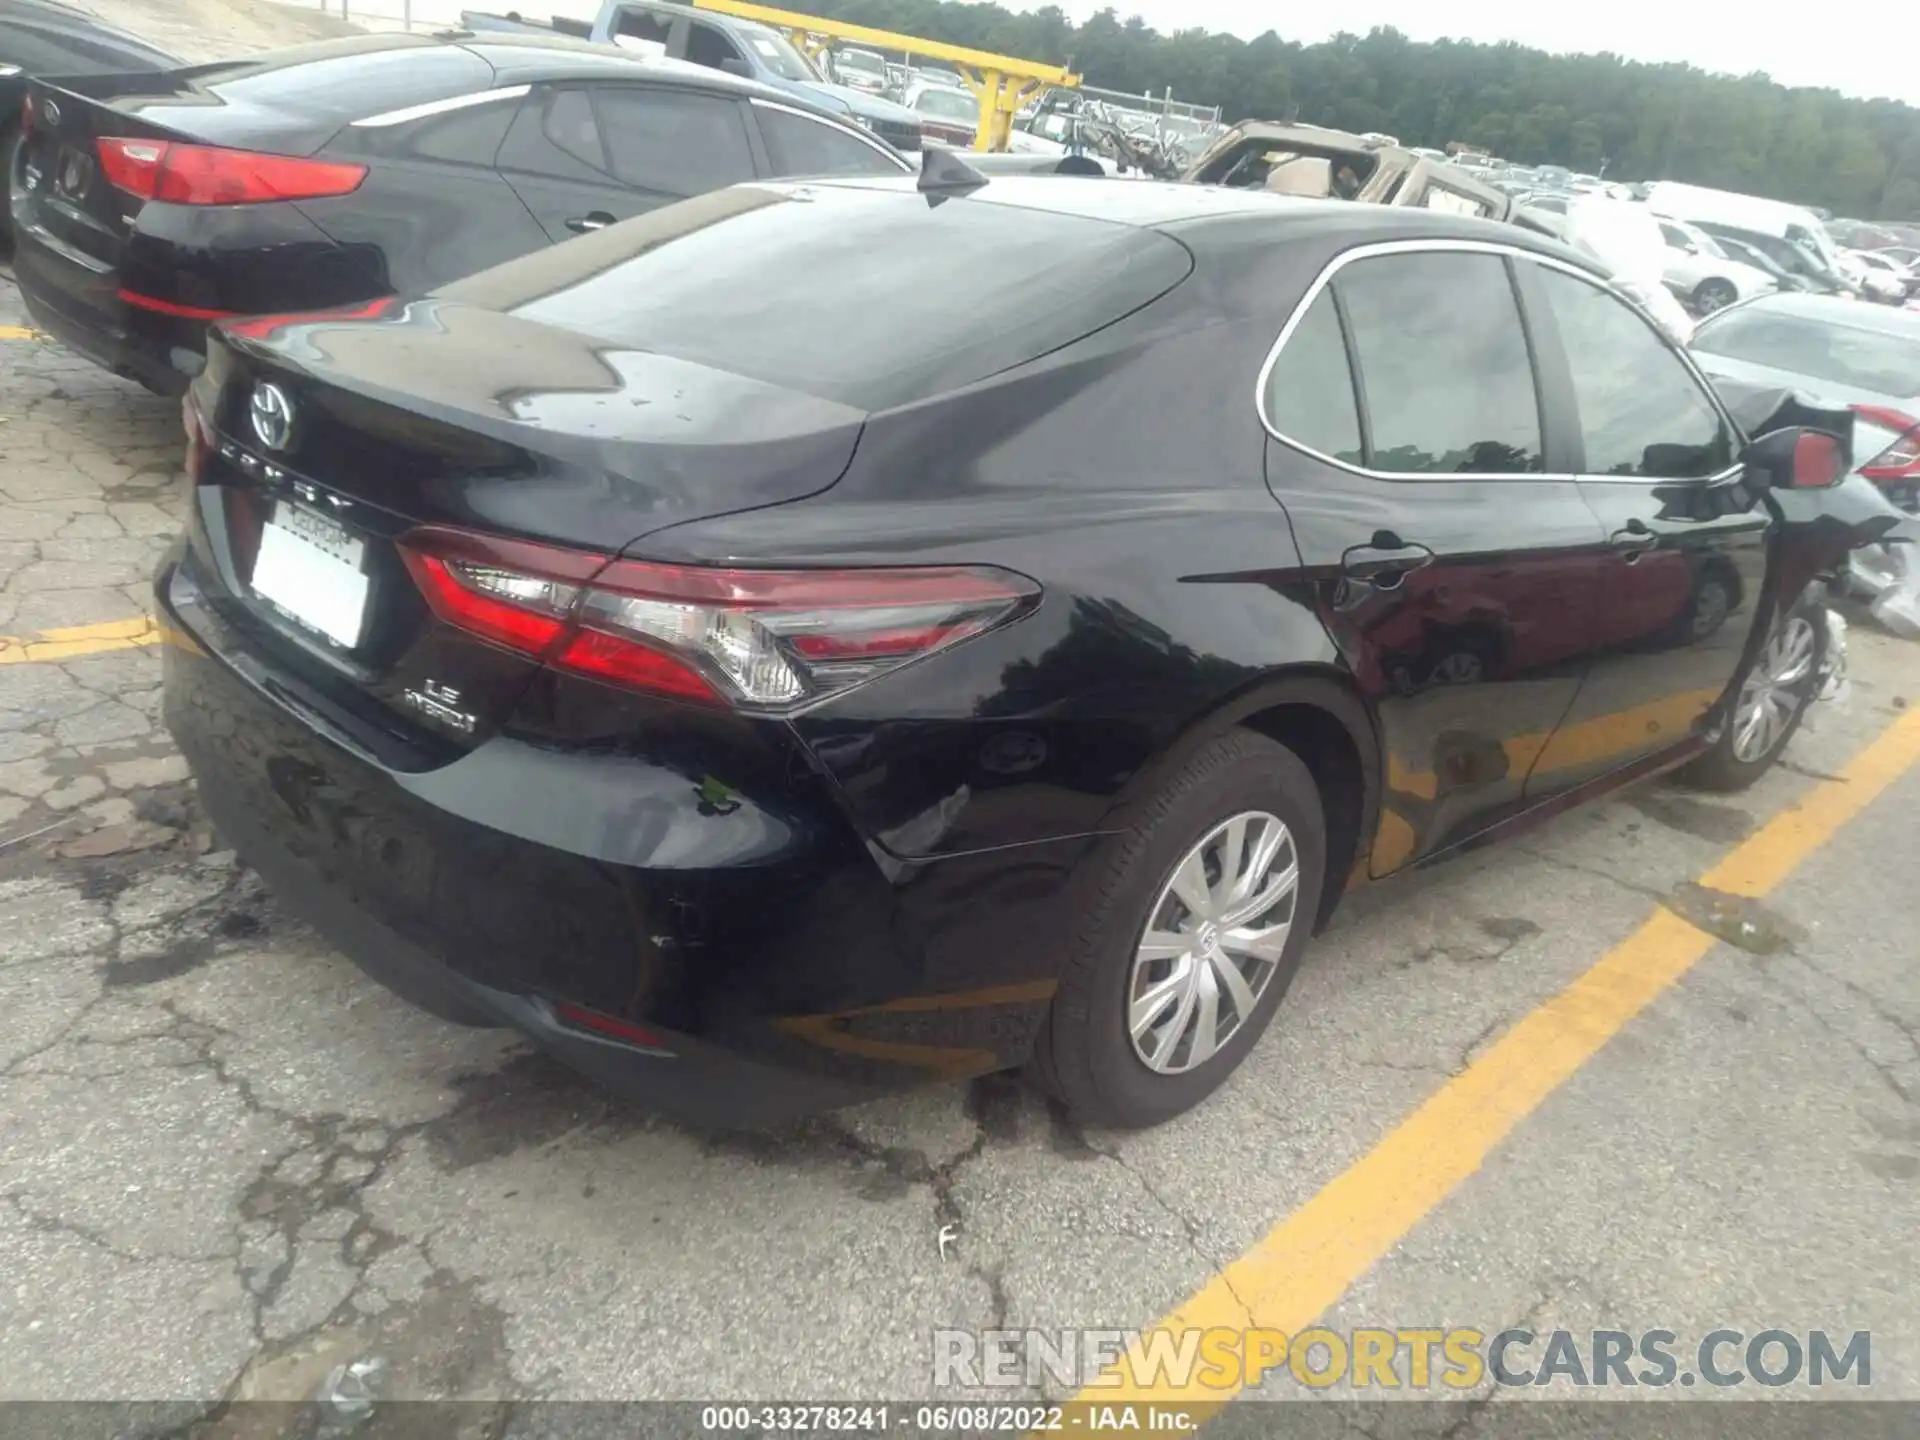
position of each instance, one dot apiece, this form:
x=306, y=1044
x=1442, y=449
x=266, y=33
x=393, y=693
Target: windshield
x=779, y=55
x=1859, y=359
x=948, y=105
x=865, y=61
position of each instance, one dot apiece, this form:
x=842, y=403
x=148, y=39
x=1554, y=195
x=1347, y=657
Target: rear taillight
x=767, y=640
x=1901, y=459
x=206, y=175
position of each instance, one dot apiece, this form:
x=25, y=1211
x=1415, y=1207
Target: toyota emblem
x=272, y=415
x=50, y=113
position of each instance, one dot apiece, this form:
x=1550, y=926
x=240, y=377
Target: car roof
x=1832, y=310
x=58, y=18
x=520, y=59
x=517, y=59
x=1174, y=205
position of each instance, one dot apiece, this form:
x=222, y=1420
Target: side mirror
x=734, y=65
x=1797, y=458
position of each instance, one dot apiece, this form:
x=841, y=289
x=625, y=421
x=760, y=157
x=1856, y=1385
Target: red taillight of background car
x=1901, y=459
x=207, y=175
x=764, y=640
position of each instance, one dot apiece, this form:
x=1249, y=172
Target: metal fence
x=1151, y=104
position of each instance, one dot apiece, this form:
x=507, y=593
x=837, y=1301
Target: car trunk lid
x=286, y=104
x=324, y=442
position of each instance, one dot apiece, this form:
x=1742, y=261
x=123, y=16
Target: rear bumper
x=80, y=307
x=783, y=968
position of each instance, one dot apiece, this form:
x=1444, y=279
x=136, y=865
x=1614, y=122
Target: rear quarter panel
x=1125, y=475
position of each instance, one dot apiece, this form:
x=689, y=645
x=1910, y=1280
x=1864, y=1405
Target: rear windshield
x=1838, y=354
x=868, y=297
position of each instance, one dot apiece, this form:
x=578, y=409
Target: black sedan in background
x=1010, y=656
x=44, y=38
x=347, y=170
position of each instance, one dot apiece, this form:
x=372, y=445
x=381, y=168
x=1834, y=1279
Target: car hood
x=870, y=107
x=1745, y=373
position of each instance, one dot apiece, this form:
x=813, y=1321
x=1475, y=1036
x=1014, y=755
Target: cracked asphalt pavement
x=229, y=1162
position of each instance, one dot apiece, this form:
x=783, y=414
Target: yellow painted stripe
x=1309, y=1260
x=78, y=640
x=18, y=332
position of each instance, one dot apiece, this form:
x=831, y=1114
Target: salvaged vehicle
x=1006, y=654
x=1306, y=161
x=149, y=206
x=1335, y=164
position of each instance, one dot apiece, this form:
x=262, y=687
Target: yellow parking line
x=18, y=332
x=1306, y=1262
x=78, y=640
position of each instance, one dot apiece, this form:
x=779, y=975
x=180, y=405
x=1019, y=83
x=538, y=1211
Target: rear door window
x=1309, y=391
x=1444, y=367
x=1641, y=411
x=672, y=141
x=801, y=145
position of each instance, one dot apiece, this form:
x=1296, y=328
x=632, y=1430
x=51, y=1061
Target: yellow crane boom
x=1002, y=84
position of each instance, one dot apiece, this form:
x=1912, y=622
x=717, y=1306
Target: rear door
x=1687, y=538
x=583, y=157
x=1454, y=568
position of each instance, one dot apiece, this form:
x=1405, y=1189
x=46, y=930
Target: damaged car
x=1001, y=662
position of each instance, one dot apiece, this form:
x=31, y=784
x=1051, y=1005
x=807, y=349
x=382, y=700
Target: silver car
x=1703, y=274
x=1840, y=353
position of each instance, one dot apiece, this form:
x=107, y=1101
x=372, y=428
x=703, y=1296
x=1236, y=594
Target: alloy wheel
x=1774, y=690
x=1213, y=942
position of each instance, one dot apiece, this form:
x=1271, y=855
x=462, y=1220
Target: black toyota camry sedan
x=147, y=206
x=822, y=637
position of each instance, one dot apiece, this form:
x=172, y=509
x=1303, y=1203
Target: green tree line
x=1646, y=122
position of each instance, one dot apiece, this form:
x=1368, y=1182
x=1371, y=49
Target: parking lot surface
x=228, y=1162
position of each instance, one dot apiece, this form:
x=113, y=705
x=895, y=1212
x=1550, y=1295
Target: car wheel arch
x=1320, y=715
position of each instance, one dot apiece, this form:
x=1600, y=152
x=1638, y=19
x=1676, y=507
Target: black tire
x=1722, y=768
x=1085, y=1055
x=1714, y=294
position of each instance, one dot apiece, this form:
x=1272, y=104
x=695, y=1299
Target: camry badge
x=50, y=112
x=272, y=415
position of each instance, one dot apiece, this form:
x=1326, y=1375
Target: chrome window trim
x=441, y=107
x=854, y=131
x=1504, y=251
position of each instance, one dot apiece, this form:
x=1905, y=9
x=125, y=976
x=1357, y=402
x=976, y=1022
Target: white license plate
x=310, y=568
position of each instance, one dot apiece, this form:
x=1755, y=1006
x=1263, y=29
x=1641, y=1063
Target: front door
x=1686, y=535
x=1457, y=579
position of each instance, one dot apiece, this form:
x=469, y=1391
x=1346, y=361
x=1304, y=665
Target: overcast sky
x=1873, y=48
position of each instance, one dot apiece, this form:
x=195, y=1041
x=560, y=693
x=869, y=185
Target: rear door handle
x=1633, y=541
x=1385, y=561
x=592, y=220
